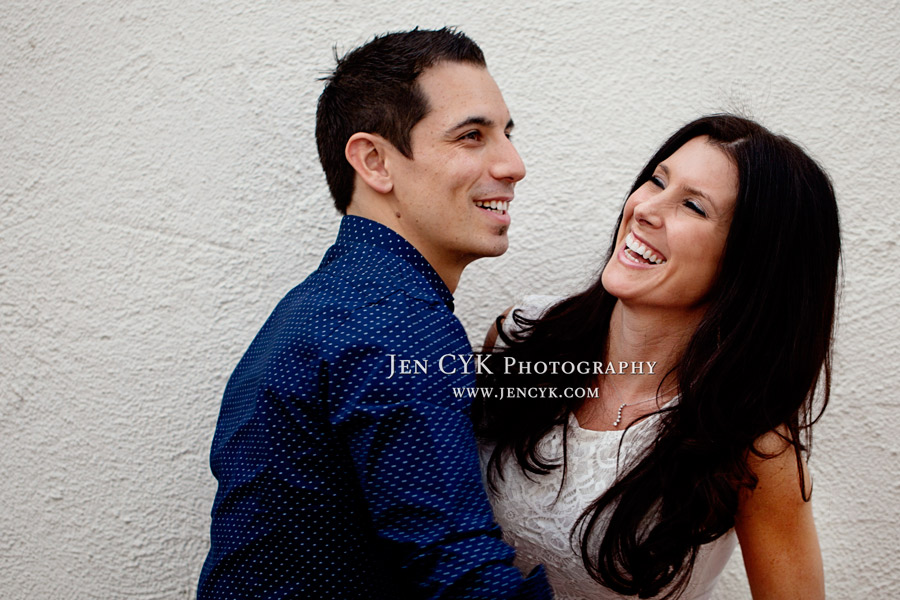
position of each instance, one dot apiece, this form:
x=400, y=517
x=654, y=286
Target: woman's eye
x=695, y=207
x=657, y=182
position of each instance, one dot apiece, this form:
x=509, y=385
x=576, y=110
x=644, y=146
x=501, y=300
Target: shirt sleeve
x=400, y=397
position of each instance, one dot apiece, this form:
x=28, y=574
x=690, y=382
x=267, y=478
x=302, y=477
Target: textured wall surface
x=160, y=191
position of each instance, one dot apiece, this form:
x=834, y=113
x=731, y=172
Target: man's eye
x=695, y=207
x=471, y=135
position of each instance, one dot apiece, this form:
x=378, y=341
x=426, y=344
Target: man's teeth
x=638, y=248
x=498, y=205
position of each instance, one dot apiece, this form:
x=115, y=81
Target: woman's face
x=678, y=220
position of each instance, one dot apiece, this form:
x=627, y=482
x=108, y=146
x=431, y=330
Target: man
x=347, y=466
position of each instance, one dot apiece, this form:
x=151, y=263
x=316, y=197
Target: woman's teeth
x=636, y=247
x=497, y=205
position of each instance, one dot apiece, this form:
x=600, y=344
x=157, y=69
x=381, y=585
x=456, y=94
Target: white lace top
x=538, y=523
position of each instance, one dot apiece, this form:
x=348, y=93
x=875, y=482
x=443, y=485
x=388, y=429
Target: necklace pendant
x=619, y=415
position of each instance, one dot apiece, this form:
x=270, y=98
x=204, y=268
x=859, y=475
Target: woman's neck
x=648, y=337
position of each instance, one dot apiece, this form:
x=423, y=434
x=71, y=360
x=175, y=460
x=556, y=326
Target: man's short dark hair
x=374, y=89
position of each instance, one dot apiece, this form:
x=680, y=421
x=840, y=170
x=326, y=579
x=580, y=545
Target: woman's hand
x=491, y=338
x=776, y=530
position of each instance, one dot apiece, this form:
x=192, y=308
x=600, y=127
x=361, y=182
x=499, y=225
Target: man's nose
x=507, y=164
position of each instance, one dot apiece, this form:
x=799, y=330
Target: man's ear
x=366, y=154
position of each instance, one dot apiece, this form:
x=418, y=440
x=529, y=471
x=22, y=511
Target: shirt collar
x=359, y=230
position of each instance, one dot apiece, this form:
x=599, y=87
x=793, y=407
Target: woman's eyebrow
x=687, y=188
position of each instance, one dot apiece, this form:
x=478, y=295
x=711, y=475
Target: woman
x=666, y=410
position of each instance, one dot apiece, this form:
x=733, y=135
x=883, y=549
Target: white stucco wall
x=160, y=191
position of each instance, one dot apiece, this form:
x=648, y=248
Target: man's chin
x=499, y=248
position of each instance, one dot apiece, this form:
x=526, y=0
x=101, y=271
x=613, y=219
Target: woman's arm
x=776, y=530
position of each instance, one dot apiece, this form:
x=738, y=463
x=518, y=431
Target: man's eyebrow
x=483, y=121
x=687, y=188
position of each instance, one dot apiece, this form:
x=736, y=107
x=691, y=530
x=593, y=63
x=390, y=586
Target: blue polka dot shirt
x=345, y=472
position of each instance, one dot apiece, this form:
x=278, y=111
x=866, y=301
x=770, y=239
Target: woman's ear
x=366, y=154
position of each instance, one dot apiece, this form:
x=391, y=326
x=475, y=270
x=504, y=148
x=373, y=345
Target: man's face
x=453, y=194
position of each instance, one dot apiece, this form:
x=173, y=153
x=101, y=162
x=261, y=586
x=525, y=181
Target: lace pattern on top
x=537, y=518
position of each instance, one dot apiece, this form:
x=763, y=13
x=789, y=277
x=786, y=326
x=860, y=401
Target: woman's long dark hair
x=755, y=364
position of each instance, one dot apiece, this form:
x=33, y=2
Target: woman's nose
x=649, y=211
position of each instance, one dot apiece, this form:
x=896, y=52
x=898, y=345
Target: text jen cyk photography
x=481, y=364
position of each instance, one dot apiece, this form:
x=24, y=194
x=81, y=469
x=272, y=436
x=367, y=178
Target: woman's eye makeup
x=694, y=206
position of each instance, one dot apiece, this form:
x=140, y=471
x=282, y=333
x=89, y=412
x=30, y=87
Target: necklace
x=638, y=403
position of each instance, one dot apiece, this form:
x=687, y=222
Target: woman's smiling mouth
x=640, y=253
